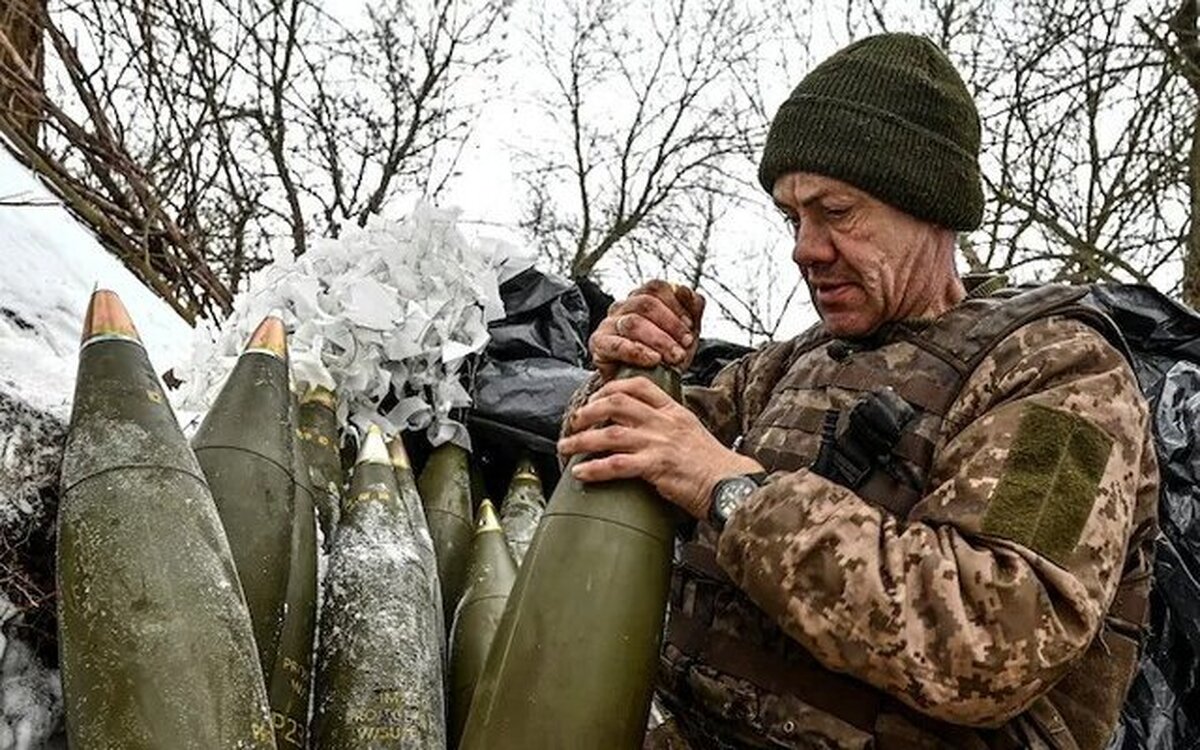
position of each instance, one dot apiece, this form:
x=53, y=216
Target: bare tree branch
x=203, y=133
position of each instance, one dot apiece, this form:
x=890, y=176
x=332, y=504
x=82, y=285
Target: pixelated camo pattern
x=963, y=611
x=982, y=608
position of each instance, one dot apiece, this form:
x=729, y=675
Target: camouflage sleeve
x=973, y=606
x=578, y=399
x=719, y=405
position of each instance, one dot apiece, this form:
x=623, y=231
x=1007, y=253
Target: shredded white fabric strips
x=397, y=303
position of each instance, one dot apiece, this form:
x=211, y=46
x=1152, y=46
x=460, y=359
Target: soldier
x=976, y=576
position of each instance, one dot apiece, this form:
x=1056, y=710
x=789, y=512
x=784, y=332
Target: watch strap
x=758, y=477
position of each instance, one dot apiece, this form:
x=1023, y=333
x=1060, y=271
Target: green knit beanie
x=890, y=115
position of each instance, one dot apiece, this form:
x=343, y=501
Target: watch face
x=731, y=493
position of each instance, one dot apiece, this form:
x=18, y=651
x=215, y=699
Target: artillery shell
x=490, y=575
x=244, y=446
x=155, y=638
x=445, y=486
x=581, y=633
x=291, y=679
x=406, y=483
x=522, y=509
x=319, y=441
x=379, y=671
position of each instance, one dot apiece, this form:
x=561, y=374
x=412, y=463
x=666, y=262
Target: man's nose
x=813, y=245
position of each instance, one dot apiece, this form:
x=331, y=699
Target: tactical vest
x=734, y=679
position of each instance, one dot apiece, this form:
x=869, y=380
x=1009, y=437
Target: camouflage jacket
x=980, y=616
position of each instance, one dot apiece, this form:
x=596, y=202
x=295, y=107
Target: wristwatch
x=729, y=493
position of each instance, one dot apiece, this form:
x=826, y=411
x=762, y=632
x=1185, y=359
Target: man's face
x=865, y=262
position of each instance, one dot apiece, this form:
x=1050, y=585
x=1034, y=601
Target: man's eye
x=793, y=223
x=836, y=212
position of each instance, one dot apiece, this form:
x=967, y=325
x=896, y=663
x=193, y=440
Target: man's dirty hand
x=638, y=431
x=659, y=323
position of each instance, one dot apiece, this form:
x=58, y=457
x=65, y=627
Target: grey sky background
x=751, y=245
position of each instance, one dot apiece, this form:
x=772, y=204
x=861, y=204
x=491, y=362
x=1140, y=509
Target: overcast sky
x=489, y=191
x=490, y=194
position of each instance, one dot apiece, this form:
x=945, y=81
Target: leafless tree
x=646, y=120
x=18, y=24
x=1085, y=123
x=100, y=181
x=1181, y=45
x=1084, y=147
x=199, y=138
x=748, y=277
x=755, y=294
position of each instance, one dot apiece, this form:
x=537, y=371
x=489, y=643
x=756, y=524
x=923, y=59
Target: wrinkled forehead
x=795, y=190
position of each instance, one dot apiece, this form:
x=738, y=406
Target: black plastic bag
x=528, y=395
x=1162, y=711
x=532, y=365
x=545, y=316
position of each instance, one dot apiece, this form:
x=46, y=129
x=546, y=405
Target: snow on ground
x=49, y=264
x=30, y=696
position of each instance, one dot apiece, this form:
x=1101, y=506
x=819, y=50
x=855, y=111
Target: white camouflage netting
x=397, y=304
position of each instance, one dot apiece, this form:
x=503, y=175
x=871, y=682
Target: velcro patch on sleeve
x=1050, y=481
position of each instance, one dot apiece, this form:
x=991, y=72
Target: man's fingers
x=615, y=466
x=618, y=408
x=610, y=348
x=658, y=323
x=671, y=319
x=664, y=292
x=634, y=327
x=610, y=439
x=693, y=302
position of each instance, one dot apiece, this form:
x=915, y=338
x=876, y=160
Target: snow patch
x=50, y=265
x=31, y=706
